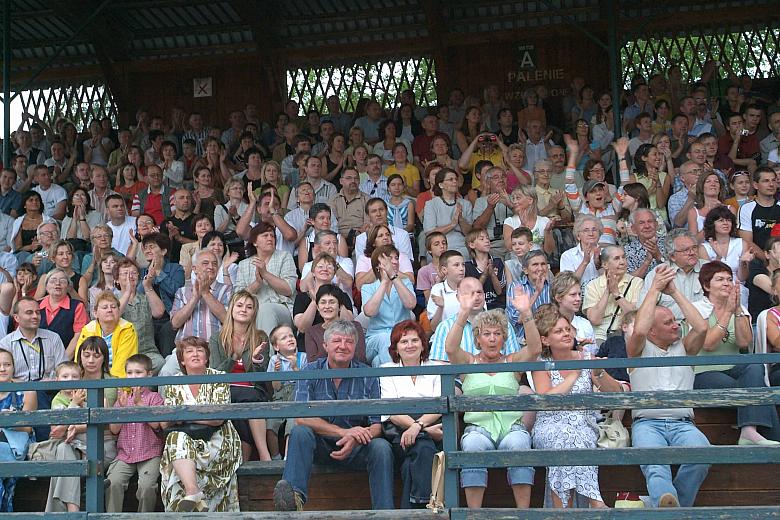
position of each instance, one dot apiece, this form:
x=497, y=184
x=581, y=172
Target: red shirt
x=138, y=442
x=79, y=313
x=748, y=148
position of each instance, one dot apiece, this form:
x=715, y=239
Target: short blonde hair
x=546, y=317
x=493, y=318
x=229, y=184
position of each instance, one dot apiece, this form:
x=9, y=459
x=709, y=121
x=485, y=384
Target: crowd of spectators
x=474, y=232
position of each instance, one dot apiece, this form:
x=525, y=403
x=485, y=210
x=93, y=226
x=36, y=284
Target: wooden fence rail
x=96, y=417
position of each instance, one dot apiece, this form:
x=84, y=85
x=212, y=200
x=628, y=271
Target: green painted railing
x=449, y=405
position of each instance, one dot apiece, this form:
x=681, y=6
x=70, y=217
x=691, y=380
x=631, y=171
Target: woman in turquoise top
x=386, y=301
x=492, y=430
x=730, y=333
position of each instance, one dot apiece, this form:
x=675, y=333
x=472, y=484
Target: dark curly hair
x=714, y=215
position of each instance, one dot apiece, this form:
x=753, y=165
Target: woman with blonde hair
x=241, y=347
x=119, y=334
x=271, y=173
x=566, y=429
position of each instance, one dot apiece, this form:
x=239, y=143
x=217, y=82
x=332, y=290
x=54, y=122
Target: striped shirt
x=36, y=360
x=512, y=314
x=439, y=352
x=202, y=323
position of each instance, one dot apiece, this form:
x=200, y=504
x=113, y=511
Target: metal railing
x=96, y=417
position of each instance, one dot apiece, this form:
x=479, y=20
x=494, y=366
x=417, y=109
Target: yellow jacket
x=124, y=343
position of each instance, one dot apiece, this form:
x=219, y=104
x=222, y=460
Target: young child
x=489, y=270
x=139, y=447
x=428, y=275
x=443, y=301
x=65, y=492
x=742, y=188
x=522, y=242
x=286, y=359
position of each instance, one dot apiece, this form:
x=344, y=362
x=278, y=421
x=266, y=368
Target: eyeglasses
x=689, y=250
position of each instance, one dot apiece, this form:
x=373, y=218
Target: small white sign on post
x=201, y=87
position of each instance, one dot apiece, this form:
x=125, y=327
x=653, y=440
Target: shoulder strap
x=617, y=310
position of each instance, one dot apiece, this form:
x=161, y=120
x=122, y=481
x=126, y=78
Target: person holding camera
x=485, y=147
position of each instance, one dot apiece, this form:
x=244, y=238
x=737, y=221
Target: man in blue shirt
x=353, y=442
x=10, y=199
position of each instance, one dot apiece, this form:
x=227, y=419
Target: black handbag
x=199, y=432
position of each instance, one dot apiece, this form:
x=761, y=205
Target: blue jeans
x=654, y=433
x=744, y=376
x=477, y=438
x=377, y=457
x=7, y=484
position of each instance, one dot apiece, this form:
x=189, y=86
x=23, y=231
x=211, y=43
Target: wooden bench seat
x=331, y=488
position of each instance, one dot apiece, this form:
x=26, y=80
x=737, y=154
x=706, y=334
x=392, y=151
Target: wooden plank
x=693, y=513
x=44, y=417
x=75, y=468
x=615, y=457
x=620, y=400
x=318, y=515
x=47, y=516
x=268, y=410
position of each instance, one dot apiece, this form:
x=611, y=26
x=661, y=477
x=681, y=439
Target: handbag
x=198, y=432
x=436, y=502
x=612, y=433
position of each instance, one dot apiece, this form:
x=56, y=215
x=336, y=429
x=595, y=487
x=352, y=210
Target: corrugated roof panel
x=197, y=15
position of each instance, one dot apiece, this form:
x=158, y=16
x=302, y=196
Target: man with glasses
x=375, y=186
x=683, y=251
x=683, y=199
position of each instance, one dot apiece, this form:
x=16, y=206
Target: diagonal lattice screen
x=380, y=80
x=78, y=103
x=751, y=50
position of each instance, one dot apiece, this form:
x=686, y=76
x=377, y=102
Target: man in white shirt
x=119, y=222
x=376, y=209
x=54, y=196
x=535, y=145
x=657, y=335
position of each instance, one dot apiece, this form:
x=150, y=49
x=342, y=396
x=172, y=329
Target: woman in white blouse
x=415, y=438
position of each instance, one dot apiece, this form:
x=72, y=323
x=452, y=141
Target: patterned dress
x=566, y=429
x=215, y=461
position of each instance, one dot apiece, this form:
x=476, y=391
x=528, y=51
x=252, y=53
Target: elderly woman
x=328, y=299
x=200, y=459
x=448, y=213
x=611, y=294
x=535, y=284
x=239, y=347
x=566, y=429
x=270, y=275
x=415, y=438
x=581, y=260
x=489, y=430
x=386, y=301
x=139, y=309
x=61, y=312
x=101, y=237
x=119, y=334
x=730, y=333
x=16, y=440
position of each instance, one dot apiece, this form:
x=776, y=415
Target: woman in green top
x=730, y=333
x=492, y=430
